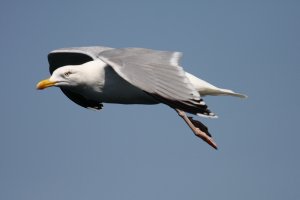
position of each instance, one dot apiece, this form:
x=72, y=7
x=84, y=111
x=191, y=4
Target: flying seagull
x=90, y=76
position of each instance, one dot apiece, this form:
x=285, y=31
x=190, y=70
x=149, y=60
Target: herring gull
x=90, y=76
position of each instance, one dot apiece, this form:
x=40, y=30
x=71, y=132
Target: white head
x=67, y=76
x=72, y=76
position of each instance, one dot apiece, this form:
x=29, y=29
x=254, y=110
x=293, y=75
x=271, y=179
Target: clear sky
x=50, y=148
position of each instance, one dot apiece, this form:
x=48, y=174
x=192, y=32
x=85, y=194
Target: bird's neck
x=92, y=79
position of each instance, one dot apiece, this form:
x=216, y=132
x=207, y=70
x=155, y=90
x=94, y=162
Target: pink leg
x=197, y=128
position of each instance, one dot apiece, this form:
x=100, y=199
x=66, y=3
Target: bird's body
x=111, y=88
x=90, y=76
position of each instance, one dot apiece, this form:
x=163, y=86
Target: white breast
x=108, y=87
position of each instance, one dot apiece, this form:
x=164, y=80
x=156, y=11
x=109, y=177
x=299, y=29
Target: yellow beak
x=44, y=84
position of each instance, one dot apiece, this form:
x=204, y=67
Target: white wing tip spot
x=202, y=103
x=207, y=116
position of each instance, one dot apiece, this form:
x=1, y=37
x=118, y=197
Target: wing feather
x=151, y=70
x=159, y=74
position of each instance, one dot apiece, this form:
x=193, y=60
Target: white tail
x=219, y=91
x=205, y=88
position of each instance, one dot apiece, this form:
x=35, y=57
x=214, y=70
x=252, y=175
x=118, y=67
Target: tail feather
x=229, y=92
x=205, y=88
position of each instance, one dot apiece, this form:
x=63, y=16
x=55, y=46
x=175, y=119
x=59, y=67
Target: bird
x=93, y=75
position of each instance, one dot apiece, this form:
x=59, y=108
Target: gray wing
x=75, y=56
x=159, y=74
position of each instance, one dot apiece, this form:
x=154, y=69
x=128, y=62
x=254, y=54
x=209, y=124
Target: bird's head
x=65, y=77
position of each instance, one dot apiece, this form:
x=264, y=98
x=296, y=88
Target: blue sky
x=51, y=148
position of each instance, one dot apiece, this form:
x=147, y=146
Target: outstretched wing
x=75, y=56
x=159, y=74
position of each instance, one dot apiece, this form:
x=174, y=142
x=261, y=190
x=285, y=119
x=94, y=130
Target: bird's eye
x=67, y=73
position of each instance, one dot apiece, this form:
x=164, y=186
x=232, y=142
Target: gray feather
x=155, y=72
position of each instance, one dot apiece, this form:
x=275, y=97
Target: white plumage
x=90, y=76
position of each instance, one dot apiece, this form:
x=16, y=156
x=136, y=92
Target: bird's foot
x=198, y=128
